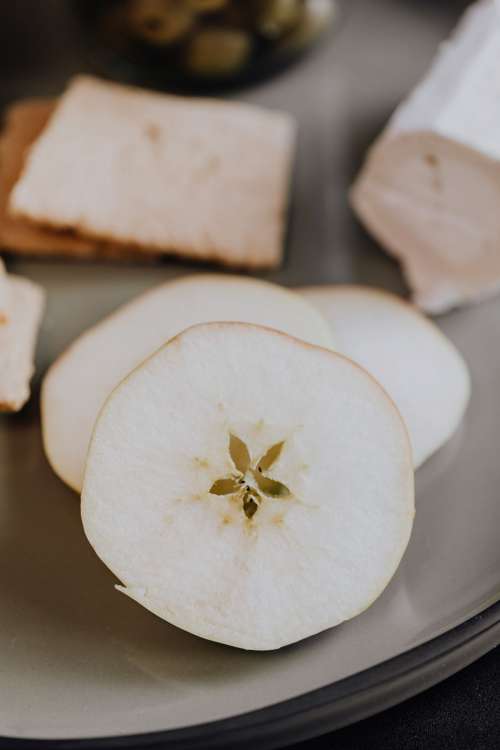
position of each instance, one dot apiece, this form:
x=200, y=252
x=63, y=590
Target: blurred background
x=345, y=80
x=176, y=44
x=179, y=44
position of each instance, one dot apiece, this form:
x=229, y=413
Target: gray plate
x=79, y=660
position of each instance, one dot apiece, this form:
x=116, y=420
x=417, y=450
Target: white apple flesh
x=430, y=187
x=79, y=382
x=412, y=359
x=248, y=487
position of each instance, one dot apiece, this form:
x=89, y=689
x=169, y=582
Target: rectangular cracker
x=202, y=178
x=18, y=341
x=24, y=122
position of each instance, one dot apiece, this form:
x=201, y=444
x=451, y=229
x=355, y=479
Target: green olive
x=317, y=16
x=277, y=17
x=159, y=22
x=216, y=51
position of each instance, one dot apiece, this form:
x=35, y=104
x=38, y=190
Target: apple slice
x=410, y=357
x=78, y=383
x=248, y=487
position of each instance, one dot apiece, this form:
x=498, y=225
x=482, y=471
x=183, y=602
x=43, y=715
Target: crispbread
x=24, y=122
x=201, y=178
x=18, y=340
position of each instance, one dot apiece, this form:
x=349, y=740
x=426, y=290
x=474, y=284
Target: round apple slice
x=410, y=357
x=248, y=487
x=78, y=383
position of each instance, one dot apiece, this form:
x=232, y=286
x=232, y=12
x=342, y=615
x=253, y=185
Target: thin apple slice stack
x=248, y=487
x=22, y=303
x=430, y=188
x=412, y=359
x=78, y=383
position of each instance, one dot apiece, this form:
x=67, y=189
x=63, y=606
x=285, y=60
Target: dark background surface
x=462, y=713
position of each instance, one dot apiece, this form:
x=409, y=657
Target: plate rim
x=315, y=712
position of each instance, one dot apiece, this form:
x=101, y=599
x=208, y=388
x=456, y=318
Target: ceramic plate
x=79, y=660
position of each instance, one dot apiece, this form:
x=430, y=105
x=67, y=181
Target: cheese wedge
x=430, y=188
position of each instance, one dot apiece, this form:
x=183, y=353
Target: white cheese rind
x=430, y=188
